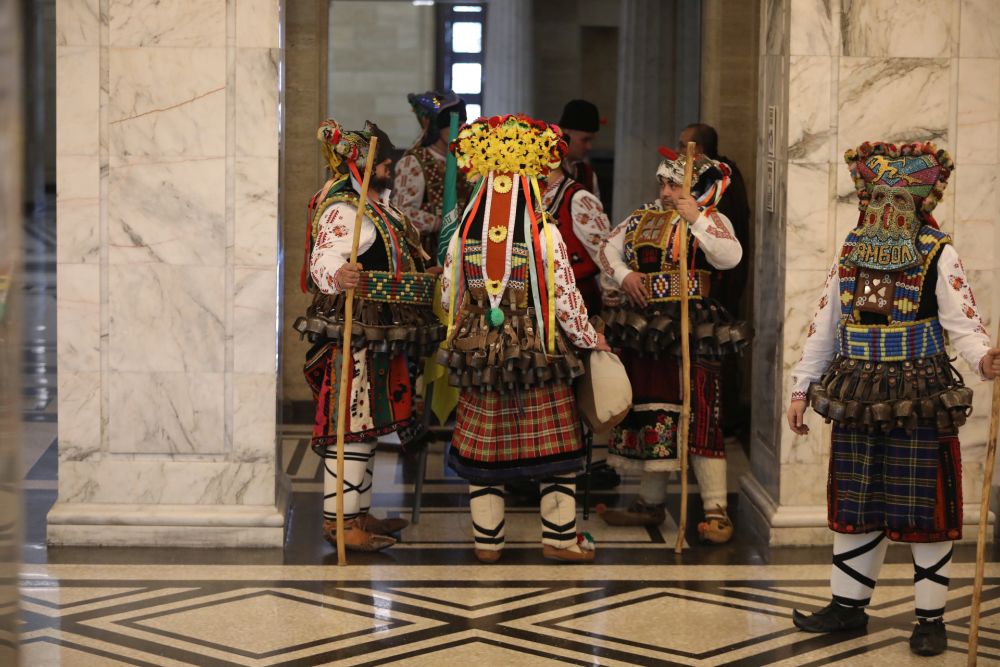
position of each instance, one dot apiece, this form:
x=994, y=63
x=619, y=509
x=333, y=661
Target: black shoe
x=929, y=637
x=831, y=618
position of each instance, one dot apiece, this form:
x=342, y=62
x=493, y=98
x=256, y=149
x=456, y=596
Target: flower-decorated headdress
x=341, y=147
x=709, y=178
x=430, y=108
x=919, y=168
x=513, y=143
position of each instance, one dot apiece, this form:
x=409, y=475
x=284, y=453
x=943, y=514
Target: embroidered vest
x=650, y=248
x=561, y=211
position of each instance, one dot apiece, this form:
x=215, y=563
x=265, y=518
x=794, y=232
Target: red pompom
x=667, y=153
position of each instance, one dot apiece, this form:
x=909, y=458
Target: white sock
x=366, y=486
x=486, y=505
x=931, y=565
x=558, y=511
x=711, y=476
x=356, y=457
x=653, y=486
x=857, y=560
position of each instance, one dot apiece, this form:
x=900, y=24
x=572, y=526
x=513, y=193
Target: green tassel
x=494, y=317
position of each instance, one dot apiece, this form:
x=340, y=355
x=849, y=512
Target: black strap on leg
x=557, y=488
x=930, y=613
x=931, y=573
x=555, y=531
x=487, y=491
x=840, y=561
x=851, y=602
x=489, y=535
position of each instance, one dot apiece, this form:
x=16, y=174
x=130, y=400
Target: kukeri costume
x=649, y=338
x=418, y=189
x=393, y=321
x=518, y=319
x=875, y=364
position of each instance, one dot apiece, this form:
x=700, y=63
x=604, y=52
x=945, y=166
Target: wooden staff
x=345, y=359
x=984, y=512
x=682, y=434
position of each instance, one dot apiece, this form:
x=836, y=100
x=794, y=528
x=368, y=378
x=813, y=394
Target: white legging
x=711, y=476
x=557, y=510
x=358, y=466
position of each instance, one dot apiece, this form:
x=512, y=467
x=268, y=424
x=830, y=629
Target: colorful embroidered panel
x=411, y=288
x=914, y=340
x=474, y=266
x=909, y=283
x=666, y=285
x=650, y=240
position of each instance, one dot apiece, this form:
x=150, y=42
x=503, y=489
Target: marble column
x=168, y=269
x=11, y=216
x=509, y=73
x=834, y=73
x=657, y=92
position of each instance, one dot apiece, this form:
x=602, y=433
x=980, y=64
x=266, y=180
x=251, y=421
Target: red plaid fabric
x=531, y=424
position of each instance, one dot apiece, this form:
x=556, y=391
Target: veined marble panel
x=78, y=208
x=812, y=28
x=899, y=28
x=78, y=23
x=184, y=23
x=974, y=189
x=257, y=23
x=807, y=224
x=166, y=413
x=978, y=111
x=166, y=104
x=254, y=319
x=79, y=414
x=980, y=29
x=804, y=484
x=77, y=104
x=809, y=105
x=774, y=14
x=893, y=99
x=78, y=313
x=257, y=102
x=803, y=290
x=256, y=211
x=167, y=482
x=974, y=241
x=254, y=418
x=166, y=318
x=170, y=212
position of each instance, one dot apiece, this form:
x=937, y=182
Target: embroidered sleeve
x=570, y=308
x=591, y=226
x=821, y=337
x=717, y=240
x=957, y=309
x=332, y=248
x=612, y=255
x=408, y=195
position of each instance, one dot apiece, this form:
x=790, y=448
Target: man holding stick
x=392, y=321
x=642, y=255
x=875, y=364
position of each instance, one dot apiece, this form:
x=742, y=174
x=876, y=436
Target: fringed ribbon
x=534, y=261
x=458, y=261
x=550, y=272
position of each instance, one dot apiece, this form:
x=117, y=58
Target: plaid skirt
x=908, y=485
x=380, y=395
x=647, y=438
x=532, y=434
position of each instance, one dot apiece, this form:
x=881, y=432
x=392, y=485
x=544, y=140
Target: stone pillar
x=657, y=92
x=509, y=71
x=168, y=264
x=306, y=27
x=11, y=217
x=824, y=75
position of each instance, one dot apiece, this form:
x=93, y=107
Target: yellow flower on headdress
x=514, y=143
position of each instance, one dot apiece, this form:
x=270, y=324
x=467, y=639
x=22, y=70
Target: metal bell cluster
x=656, y=331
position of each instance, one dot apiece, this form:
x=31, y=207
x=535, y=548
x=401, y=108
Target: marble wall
x=168, y=260
x=837, y=73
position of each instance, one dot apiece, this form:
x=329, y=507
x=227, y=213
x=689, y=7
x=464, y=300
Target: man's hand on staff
x=990, y=364
x=348, y=276
x=687, y=207
x=635, y=287
x=796, y=417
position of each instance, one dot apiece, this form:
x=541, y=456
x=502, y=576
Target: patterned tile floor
x=426, y=601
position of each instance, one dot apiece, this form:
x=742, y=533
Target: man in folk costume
x=393, y=321
x=518, y=320
x=580, y=123
x=418, y=190
x=875, y=364
x=642, y=256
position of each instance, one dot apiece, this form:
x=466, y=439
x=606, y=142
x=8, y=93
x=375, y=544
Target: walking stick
x=682, y=434
x=984, y=511
x=345, y=358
